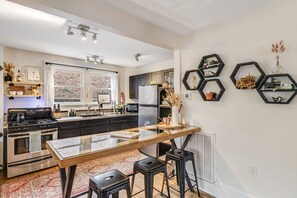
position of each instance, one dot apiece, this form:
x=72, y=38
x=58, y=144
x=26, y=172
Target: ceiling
x=26, y=28
x=185, y=16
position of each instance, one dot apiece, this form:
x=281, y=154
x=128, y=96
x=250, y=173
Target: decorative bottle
x=19, y=76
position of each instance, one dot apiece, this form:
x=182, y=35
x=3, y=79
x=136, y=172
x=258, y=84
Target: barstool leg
x=167, y=183
x=129, y=195
x=115, y=195
x=189, y=181
x=133, y=179
x=149, y=185
x=181, y=173
x=166, y=161
x=194, y=168
x=90, y=192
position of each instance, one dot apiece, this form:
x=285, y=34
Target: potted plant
x=8, y=69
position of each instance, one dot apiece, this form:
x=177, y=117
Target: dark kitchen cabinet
x=94, y=130
x=134, y=83
x=68, y=129
x=94, y=126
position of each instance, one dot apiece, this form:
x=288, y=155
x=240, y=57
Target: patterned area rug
x=46, y=183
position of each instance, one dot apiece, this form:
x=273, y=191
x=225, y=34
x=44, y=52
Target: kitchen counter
x=106, y=115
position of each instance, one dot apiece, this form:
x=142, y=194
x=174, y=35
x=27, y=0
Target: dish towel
x=35, y=142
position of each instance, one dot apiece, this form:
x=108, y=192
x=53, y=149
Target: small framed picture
x=33, y=74
x=104, y=98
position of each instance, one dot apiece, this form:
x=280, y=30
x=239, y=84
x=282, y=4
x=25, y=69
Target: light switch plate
x=187, y=95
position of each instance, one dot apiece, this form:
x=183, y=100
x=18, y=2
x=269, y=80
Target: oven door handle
x=49, y=131
x=15, y=136
x=29, y=162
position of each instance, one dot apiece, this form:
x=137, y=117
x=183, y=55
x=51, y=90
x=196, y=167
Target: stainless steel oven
x=29, y=144
x=26, y=151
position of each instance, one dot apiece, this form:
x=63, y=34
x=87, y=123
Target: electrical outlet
x=252, y=171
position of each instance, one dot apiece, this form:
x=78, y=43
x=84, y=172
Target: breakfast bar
x=70, y=152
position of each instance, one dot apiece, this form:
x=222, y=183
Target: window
x=75, y=86
x=100, y=84
x=68, y=86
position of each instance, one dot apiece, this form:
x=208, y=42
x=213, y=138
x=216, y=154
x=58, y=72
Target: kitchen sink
x=89, y=115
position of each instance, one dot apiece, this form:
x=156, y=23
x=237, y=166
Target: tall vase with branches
x=277, y=49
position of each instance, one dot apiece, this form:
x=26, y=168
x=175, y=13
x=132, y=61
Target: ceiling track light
x=84, y=30
x=137, y=56
x=94, y=58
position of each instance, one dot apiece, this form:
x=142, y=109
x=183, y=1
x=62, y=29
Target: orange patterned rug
x=46, y=183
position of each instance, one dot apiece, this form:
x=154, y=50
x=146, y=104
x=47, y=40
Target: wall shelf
x=11, y=97
x=274, y=83
x=12, y=83
x=235, y=78
x=218, y=95
x=211, y=66
x=197, y=82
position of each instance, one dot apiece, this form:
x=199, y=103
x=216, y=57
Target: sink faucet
x=89, y=108
x=100, y=102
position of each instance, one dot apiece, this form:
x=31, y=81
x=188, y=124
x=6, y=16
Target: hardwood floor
x=139, y=185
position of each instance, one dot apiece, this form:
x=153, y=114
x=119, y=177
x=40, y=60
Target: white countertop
x=106, y=115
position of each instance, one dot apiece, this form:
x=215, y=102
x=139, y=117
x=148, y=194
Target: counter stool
x=109, y=183
x=180, y=157
x=149, y=167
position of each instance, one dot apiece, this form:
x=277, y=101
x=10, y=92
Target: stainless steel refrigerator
x=148, y=104
x=150, y=97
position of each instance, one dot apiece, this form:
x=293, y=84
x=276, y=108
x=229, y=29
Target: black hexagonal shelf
x=277, y=89
x=197, y=83
x=247, y=64
x=211, y=66
x=216, y=97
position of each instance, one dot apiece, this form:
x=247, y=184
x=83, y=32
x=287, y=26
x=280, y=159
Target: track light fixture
x=94, y=58
x=137, y=56
x=68, y=31
x=84, y=29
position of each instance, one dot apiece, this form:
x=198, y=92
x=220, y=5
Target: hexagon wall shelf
x=197, y=82
x=247, y=64
x=217, y=96
x=211, y=66
x=272, y=84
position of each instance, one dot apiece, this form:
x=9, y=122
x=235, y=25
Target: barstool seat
x=149, y=168
x=180, y=157
x=109, y=183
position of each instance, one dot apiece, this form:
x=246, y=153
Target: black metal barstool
x=180, y=157
x=149, y=167
x=109, y=183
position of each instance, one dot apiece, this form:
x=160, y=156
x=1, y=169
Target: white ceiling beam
x=107, y=17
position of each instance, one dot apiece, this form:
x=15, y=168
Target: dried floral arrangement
x=248, y=82
x=278, y=48
x=8, y=67
x=172, y=99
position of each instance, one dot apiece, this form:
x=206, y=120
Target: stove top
x=33, y=119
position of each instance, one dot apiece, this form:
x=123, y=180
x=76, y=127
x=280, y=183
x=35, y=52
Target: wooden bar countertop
x=72, y=151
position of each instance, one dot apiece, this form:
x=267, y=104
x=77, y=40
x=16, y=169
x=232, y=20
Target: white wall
x=1, y=107
x=23, y=58
x=130, y=71
x=248, y=131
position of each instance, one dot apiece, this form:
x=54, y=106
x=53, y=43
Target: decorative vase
x=174, y=115
x=277, y=68
x=7, y=78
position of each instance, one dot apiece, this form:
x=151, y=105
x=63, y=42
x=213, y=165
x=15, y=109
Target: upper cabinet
x=148, y=78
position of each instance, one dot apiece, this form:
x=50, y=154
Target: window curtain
x=115, y=86
x=49, y=85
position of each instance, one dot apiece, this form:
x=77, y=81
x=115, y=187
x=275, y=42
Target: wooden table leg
x=63, y=179
x=67, y=180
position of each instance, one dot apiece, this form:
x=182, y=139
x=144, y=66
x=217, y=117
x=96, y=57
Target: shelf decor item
x=211, y=66
x=192, y=79
x=33, y=74
x=211, y=96
x=249, y=81
x=175, y=103
x=8, y=70
x=277, y=89
x=277, y=49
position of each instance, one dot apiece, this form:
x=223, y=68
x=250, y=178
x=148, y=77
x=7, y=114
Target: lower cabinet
x=94, y=130
x=88, y=127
